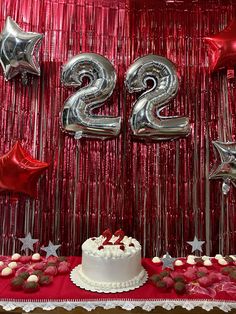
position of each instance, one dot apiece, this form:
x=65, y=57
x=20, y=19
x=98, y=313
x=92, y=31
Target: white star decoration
x=28, y=242
x=51, y=249
x=196, y=245
x=168, y=261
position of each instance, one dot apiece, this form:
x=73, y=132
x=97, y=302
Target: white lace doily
x=126, y=304
x=77, y=278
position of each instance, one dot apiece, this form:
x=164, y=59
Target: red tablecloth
x=63, y=290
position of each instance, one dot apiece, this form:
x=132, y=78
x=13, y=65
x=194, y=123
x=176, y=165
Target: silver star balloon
x=18, y=50
x=225, y=167
x=51, y=249
x=28, y=242
x=196, y=245
x=168, y=261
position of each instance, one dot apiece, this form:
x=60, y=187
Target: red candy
x=52, y=259
x=63, y=268
x=39, y=266
x=204, y=281
x=50, y=270
x=190, y=276
x=169, y=282
x=214, y=277
x=203, y=269
x=25, y=259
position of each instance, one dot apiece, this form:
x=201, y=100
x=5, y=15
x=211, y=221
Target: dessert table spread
x=65, y=294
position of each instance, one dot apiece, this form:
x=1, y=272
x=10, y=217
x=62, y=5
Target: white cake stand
x=77, y=278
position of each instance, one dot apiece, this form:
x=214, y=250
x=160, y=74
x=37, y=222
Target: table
x=65, y=295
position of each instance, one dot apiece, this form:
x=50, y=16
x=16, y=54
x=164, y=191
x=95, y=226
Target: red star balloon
x=19, y=172
x=223, y=46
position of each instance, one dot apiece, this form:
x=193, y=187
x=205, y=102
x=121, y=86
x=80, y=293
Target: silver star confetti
x=51, y=249
x=18, y=50
x=28, y=242
x=196, y=245
x=168, y=261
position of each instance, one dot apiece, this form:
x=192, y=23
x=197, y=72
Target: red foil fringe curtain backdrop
x=156, y=192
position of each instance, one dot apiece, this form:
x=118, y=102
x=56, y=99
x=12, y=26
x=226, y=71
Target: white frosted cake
x=110, y=267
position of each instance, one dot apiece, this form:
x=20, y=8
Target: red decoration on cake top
x=108, y=235
x=120, y=234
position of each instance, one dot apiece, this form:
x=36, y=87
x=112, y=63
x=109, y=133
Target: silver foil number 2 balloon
x=146, y=120
x=77, y=116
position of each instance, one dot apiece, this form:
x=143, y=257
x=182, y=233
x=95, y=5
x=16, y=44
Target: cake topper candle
x=120, y=234
x=107, y=235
